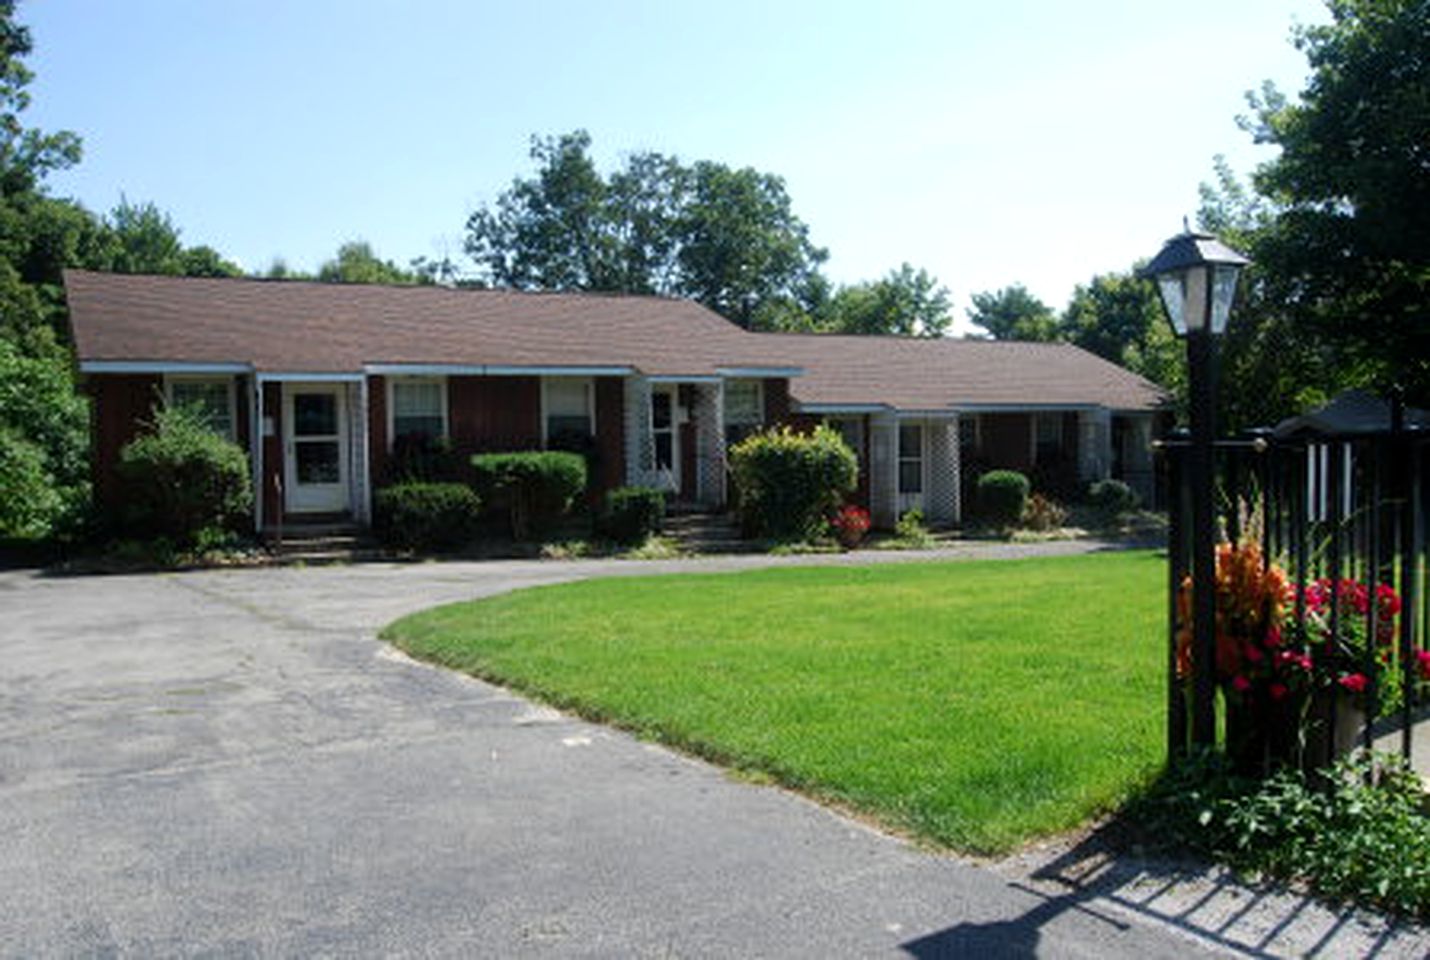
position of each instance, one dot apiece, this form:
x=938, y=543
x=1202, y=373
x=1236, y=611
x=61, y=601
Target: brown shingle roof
x=289, y=326
x=296, y=326
x=918, y=374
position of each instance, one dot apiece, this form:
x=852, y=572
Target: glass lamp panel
x=1173, y=298
x=1223, y=293
x=1194, y=307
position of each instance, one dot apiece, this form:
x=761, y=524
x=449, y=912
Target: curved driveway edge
x=229, y=762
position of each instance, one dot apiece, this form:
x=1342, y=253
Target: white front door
x=913, y=475
x=315, y=449
x=665, y=430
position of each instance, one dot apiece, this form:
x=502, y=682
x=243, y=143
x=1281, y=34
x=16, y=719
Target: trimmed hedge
x=632, y=514
x=418, y=515
x=1002, y=496
x=789, y=483
x=181, y=478
x=534, y=486
x=1112, y=497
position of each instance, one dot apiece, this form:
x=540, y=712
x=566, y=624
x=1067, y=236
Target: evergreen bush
x=1002, y=497
x=419, y=515
x=534, y=486
x=632, y=514
x=181, y=478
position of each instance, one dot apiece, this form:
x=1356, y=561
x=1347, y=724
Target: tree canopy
x=1014, y=314
x=726, y=237
x=1345, y=247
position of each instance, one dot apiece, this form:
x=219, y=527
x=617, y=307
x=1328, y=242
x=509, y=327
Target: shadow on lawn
x=1099, y=878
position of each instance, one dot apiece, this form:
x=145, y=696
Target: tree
x=1118, y=317
x=1014, y=314
x=740, y=243
x=724, y=237
x=1346, y=253
x=356, y=263
x=44, y=426
x=26, y=155
x=906, y=301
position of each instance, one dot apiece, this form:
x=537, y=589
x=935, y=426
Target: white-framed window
x=416, y=407
x=567, y=408
x=911, y=458
x=744, y=409
x=212, y=396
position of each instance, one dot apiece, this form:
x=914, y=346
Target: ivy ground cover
x=972, y=704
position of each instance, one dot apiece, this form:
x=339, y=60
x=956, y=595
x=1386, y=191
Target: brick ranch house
x=316, y=382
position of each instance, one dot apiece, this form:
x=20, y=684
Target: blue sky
x=990, y=143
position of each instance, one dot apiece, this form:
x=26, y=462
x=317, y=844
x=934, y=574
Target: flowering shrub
x=850, y=522
x=1342, y=654
x=1252, y=602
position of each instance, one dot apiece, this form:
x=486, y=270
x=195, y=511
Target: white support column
x=883, y=470
x=1094, y=448
x=640, y=445
x=709, y=414
x=943, y=496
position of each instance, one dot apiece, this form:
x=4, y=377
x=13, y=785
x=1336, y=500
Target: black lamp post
x=1196, y=276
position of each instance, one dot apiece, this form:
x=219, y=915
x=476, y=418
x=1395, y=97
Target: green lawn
x=974, y=704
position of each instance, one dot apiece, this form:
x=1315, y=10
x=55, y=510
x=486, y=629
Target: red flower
x=1422, y=662
x=1240, y=684
x=1354, y=682
x=1278, y=691
x=1273, y=636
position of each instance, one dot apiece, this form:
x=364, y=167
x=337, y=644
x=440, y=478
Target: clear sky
x=997, y=142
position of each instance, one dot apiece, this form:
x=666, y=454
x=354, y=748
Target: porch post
x=362, y=470
x=883, y=469
x=640, y=445
x=943, y=497
x=256, y=443
x=1094, y=455
x=709, y=416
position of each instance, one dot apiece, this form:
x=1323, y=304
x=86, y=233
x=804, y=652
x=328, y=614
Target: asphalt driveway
x=229, y=763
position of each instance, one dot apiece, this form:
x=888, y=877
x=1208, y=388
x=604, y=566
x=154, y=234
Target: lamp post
x=1196, y=277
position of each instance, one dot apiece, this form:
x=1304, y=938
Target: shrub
x=534, y=487
x=1112, y=497
x=1358, y=831
x=182, y=478
x=632, y=514
x=419, y=458
x=418, y=515
x=1002, y=496
x=789, y=482
x=1043, y=513
x=911, y=531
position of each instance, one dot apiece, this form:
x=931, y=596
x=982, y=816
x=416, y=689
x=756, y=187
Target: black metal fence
x=1322, y=613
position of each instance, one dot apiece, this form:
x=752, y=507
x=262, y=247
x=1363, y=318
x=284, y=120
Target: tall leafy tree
x=1014, y=314
x=1346, y=254
x=1118, y=317
x=728, y=238
x=906, y=302
x=357, y=263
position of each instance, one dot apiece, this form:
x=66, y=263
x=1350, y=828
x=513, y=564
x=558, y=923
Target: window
x=419, y=408
x=566, y=405
x=744, y=409
x=662, y=424
x=1048, y=434
x=211, y=396
x=851, y=429
x=911, y=458
x=968, y=435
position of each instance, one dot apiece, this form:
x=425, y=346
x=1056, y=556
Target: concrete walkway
x=229, y=763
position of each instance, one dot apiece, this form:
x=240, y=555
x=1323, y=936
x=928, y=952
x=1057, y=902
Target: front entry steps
x=696, y=532
x=315, y=543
